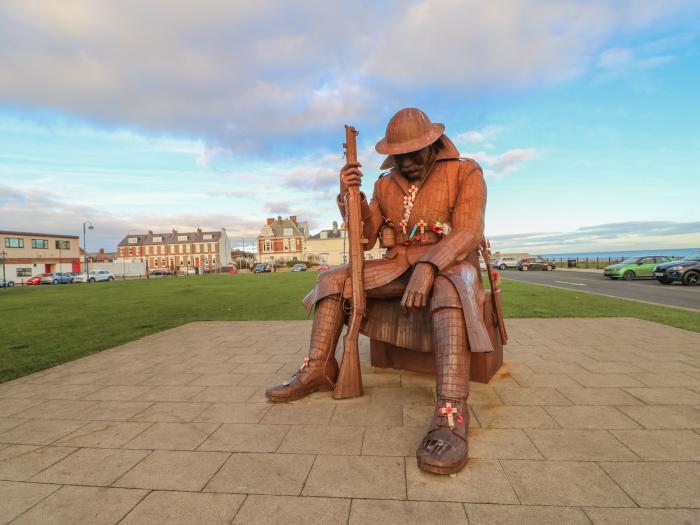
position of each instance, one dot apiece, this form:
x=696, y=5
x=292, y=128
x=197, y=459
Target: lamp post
x=89, y=226
x=4, y=254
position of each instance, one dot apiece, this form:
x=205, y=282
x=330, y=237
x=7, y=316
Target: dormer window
x=133, y=240
x=157, y=239
x=207, y=237
x=288, y=232
x=182, y=237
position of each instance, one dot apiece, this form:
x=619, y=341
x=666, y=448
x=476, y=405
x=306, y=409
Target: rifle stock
x=349, y=382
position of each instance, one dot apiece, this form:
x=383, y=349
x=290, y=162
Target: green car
x=635, y=267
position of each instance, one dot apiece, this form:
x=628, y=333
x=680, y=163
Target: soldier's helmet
x=409, y=130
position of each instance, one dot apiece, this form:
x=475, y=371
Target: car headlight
x=674, y=268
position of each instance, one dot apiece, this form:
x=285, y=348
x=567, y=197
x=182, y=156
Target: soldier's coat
x=453, y=192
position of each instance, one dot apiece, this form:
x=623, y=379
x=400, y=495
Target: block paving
x=589, y=421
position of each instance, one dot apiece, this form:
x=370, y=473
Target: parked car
x=95, y=276
x=57, y=278
x=503, y=263
x=323, y=268
x=535, y=263
x=262, y=268
x=687, y=271
x=299, y=268
x=635, y=267
x=160, y=271
x=36, y=280
x=6, y=284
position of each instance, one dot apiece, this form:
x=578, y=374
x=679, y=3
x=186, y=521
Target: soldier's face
x=414, y=164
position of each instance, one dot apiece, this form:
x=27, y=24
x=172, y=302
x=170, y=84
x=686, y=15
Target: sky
x=169, y=114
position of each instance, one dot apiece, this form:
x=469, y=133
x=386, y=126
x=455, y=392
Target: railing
x=589, y=263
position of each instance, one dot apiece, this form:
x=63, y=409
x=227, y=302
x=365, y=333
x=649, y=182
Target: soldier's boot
x=319, y=370
x=444, y=448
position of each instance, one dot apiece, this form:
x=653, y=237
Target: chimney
x=270, y=220
x=279, y=219
x=293, y=218
x=150, y=232
x=199, y=230
x=174, y=231
x=335, y=227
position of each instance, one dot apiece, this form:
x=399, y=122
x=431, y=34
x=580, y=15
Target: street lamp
x=85, y=255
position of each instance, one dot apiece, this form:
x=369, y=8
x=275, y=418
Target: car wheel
x=549, y=268
x=111, y=279
x=629, y=275
x=502, y=267
x=691, y=279
x=91, y=280
x=524, y=268
x=55, y=281
x=665, y=281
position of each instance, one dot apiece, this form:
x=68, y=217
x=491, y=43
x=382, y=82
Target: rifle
x=349, y=382
x=495, y=281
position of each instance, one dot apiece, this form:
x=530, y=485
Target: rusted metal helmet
x=409, y=130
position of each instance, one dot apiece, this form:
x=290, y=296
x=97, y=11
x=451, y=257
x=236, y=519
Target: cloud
x=278, y=207
x=243, y=75
x=603, y=237
x=499, y=164
x=33, y=211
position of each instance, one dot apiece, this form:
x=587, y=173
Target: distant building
x=331, y=247
x=26, y=254
x=177, y=250
x=282, y=240
x=243, y=258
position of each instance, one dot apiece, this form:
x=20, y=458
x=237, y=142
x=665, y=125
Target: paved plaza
x=590, y=421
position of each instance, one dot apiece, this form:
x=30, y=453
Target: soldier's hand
x=418, y=289
x=350, y=175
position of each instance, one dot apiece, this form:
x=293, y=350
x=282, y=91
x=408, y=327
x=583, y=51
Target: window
x=268, y=246
x=131, y=252
x=132, y=240
x=182, y=237
x=14, y=242
x=288, y=232
x=285, y=244
x=63, y=245
x=24, y=272
x=212, y=247
x=40, y=244
x=157, y=239
x=207, y=237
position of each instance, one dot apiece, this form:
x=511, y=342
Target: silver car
x=94, y=276
x=6, y=284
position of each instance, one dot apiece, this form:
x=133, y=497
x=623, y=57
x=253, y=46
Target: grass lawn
x=48, y=325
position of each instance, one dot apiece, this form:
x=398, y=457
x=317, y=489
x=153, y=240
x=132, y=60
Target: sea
x=622, y=254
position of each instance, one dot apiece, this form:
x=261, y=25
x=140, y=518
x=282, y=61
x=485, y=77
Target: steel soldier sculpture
x=428, y=211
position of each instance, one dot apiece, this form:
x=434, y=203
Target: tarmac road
x=647, y=290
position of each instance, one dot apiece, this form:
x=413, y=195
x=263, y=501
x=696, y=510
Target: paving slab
x=589, y=420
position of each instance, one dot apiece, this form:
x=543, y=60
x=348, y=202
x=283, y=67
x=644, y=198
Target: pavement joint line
x=148, y=492
x=510, y=482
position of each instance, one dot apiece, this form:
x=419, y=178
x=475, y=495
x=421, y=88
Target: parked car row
x=526, y=264
x=70, y=277
x=663, y=268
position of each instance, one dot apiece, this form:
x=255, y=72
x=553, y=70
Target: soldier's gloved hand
x=418, y=289
x=350, y=175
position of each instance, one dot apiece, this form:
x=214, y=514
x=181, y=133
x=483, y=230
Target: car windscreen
x=631, y=260
x=695, y=257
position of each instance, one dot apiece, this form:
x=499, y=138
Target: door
x=75, y=267
x=47, y=268
x=646, y=265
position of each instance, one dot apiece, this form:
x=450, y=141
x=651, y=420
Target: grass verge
x=45, y=326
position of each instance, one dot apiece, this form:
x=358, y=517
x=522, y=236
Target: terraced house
x=205, y=250
x=282, y=240
x=25, y=254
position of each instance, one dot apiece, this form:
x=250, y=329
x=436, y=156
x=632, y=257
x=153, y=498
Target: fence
x=590, y=263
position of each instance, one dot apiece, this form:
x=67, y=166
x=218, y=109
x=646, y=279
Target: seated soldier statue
x=428, y=211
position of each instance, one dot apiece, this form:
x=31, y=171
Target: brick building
x=282, y=240
x=25, y=254
x=177, y=250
